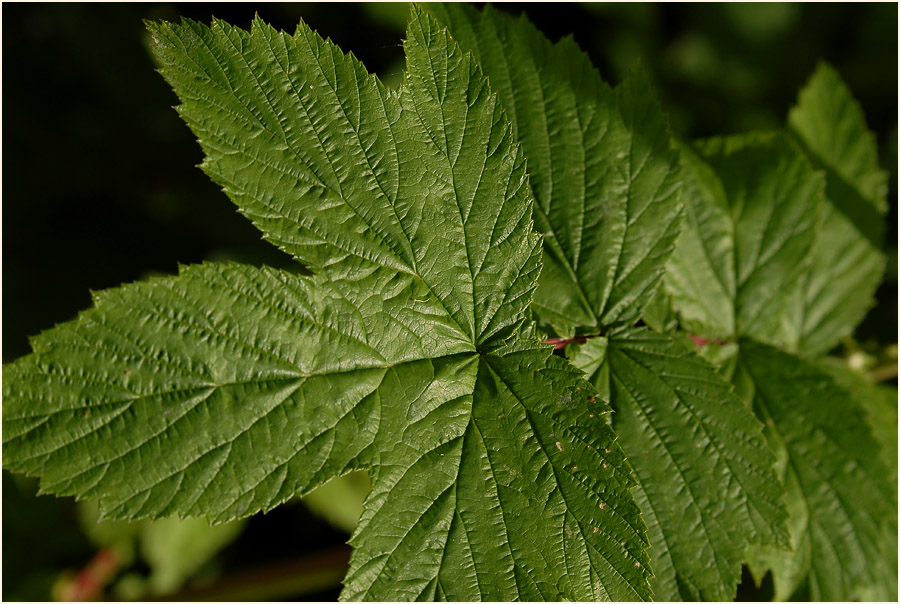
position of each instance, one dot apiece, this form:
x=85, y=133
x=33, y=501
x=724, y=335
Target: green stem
x=884, y=372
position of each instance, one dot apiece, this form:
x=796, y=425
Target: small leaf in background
x=173, y=549
x=176, y=549
x=847, y=262
x=340, y=500
x=753, y=215
x=119, y=536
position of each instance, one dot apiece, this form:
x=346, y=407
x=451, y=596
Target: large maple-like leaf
x=229, y=389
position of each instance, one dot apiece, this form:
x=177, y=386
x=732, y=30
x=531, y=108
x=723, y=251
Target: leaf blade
x=756, y=200
x=404, y=358
x=706, y=496
x=843, y=276
x=838, y=491
x=386, y=171
x=604, y=178
x=207, y=359
x=490, y=457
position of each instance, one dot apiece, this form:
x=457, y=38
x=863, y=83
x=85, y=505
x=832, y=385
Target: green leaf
x=120, y=535
x=220, y=392
x=659, y=314
x=752, y=221
x=749, y=262
x=604, y=178
x=880, y=405
x=531, y=506
x=839, y=491
x=831, y=125
x=847, y=264
x=176, y=549
x=707, y=485
x=701, y=273
x=229, y=389
x=338, y=170
x=340, y=501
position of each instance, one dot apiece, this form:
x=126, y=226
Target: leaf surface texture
x=707, y=487
x=604, y=178
x=839, y=492
x=759, y=256
x=606, y=185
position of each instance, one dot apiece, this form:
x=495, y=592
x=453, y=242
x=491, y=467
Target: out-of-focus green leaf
x=659, y=315
x=880, y=405
x=340, y=501
x=847, y=262
x=831, y=125
x=119, y=536
x=753, y=213
x=176, y=549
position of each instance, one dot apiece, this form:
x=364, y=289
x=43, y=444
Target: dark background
x=99, y=185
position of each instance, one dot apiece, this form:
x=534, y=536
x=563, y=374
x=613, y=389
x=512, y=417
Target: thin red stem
x=89, y=583
x=561, y=342
x=701, y=342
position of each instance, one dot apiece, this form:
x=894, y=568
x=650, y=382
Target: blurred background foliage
x=100, y=188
